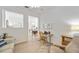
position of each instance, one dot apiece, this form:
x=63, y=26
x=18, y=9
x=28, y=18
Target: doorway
x=33, y=25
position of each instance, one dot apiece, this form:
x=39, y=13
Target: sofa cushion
x=8, y=47
x=2, y=42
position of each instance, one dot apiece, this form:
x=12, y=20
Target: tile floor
x=35, y=47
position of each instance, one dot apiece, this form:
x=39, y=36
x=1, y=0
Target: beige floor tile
x=35, y=47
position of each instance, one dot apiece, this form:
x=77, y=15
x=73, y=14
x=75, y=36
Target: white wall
x=19, y=34
x=58, y=28
x=55, y=17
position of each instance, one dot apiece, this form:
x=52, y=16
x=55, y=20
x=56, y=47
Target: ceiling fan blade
x=26, y=6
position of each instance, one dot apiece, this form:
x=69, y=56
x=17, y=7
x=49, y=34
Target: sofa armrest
x=8, y=46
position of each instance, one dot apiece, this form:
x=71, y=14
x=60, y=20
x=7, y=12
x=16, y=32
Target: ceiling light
x=32, y=6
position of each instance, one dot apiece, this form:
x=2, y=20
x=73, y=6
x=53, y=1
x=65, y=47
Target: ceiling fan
x=31, y=6
x=26, y=6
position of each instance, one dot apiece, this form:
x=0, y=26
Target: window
x=12, y=19
x=75, y=28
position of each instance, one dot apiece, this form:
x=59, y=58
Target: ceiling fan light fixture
x=32, y=6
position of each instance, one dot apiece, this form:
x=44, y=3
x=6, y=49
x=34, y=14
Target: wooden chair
x=43, y=38
x=66, y=40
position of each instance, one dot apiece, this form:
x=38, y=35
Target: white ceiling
x=62, y=13
x=69, y=14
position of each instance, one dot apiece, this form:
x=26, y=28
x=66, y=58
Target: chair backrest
x=43, y=37
x=66, y=40
x=41, y=33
